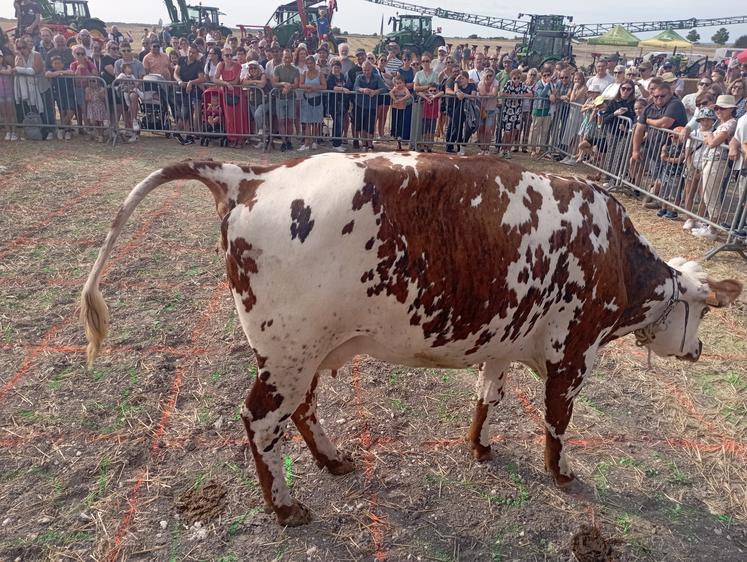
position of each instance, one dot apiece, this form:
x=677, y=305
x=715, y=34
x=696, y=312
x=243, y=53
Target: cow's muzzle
x=692, y=357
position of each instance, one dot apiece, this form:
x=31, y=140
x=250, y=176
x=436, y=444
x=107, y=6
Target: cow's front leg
x=271, y=401
x=489, y=393
x=560, y=390
x=325, y=453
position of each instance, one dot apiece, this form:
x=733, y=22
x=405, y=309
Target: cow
x=425, y=260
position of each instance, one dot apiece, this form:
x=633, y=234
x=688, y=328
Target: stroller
x=154, y=105
x=216, y=129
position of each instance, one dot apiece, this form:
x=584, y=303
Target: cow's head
x=675, y=332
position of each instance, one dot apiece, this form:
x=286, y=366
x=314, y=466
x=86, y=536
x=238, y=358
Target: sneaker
x=571, y=161
x=68, y=135
x=132, y=139
x=14, y=136
x=50, y=136
x=314, y=146
x=689, y=224
x=706, y=232
x=507, y=155
x=135, y=126
x=661, y=212
x=461, y=152
x=60, y=134
x=338, y=148
x=671, y=215
x=7, y=136
x=283, y=147
x=303, y=148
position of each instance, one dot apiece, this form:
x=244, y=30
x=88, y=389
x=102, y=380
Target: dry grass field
x=145, y=458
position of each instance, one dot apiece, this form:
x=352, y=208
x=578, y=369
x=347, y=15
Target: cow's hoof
x=482, y=453
x=564, y=481
x=294, y=516
x=343, y=466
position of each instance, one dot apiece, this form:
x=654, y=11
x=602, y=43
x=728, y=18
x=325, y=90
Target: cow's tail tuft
x=94, y=313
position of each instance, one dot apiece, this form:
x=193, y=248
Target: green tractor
x=70, y=16
x=414, y=33
x=296, y=22
x=187, y=16
x=547, y=40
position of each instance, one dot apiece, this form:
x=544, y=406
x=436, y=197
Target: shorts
x=489, y=121
x=285, y=108
x=185, y=104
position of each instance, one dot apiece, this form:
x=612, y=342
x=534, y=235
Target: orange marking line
x=168, y=408
x=529, y=408
x=68, y=349
x=34, y=352
x=376, y=528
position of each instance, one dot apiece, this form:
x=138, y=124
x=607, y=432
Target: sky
x=359, y=16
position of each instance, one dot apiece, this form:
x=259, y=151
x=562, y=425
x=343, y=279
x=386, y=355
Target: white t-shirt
x=689, y=102
x=476, y=75
x=741, y=135
x=596, y=84
x=610, y=92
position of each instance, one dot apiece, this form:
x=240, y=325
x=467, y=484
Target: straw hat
x=726, y=101
x=668, y=77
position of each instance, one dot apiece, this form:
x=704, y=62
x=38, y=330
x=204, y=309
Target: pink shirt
x=157, y=64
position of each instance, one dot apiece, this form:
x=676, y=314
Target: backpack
x=32, y=123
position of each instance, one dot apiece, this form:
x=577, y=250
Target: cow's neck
x=649, y=284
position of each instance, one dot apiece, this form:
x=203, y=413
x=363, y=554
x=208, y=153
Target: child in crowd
x=512, y=114
x=7, y=103
x=431, y=110
x=63, y=91
x=401, y=100
x=213, y=121
x=591, y=129
x=671, y=178
x=705, y=118
x=130, y=94
x=96, y=108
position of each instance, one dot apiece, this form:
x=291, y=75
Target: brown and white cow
x=429, y=261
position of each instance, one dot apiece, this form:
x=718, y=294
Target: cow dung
x=589, y=545
x=203, y=504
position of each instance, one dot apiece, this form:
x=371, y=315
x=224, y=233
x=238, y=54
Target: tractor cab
x=72, y=9
x=411, y=32
x=204, y=16
x=548, y=38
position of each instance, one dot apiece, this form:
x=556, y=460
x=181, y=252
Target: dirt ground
x=145, y=458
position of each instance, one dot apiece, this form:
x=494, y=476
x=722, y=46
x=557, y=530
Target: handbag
x=314, y=100
x=32, y=123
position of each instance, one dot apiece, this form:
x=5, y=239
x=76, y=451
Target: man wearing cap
x=157, y=62
x=646, y=70
x=599, y=82
x=393, y=62
x=666, y=112
x=28, y=13
x=666, y=72
x=440, y=63
x=357, y=68
x=322, y=59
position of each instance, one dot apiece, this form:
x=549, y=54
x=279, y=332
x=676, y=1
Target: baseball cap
x=360, y=51
x=443, y=49
x=619, y=68
x=645, y=66
x=323, y=47
x=252, y=63
x=705, y=113
x=209, y=39
x=669, y=77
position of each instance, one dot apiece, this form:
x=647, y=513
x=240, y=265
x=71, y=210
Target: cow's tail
x=94, y=313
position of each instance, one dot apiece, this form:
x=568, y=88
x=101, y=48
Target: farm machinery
x=70, y=16
x=183, y=18
x=548, y=38
x=299, y=22
x=413, y=33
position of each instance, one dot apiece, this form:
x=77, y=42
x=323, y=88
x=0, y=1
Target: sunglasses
x=704, y=83
x=83, y=54
x=626, y=89
x=425, y=60
x=546, y=75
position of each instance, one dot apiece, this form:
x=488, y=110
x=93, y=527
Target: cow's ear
x=723, y=293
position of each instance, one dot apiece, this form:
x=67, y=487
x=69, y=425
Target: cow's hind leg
x=489, y=393
x=560, y=391
x=326, y=454
x=271, y=401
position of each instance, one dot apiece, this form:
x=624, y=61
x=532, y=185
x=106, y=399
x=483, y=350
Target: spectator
x=460, y=91
x=211, y=64
x=618, y=75
x=96, y=108
x=118, y=37
x=458, y=55
x=577, y=97
x=188, y=74
x=440, y=64
x=646, y=71
x=401, y=101
x=718, y=76
x=84, y=40
x=385, y=100
x=487, y=90
x=431, y=112
x=32, y=89
x=126, y=57
x=368, y=85
x=475, y=74
x=322, y=60
x=258, y=96
x=145, y=50
x=213, y=122
x=666, y=112
x=701, y=123
x=277, y=58
x=312, y=108
x=7, y=95
x=599, y=82
x=393, y=62
x=716, y=163
x=286, y=78
x=299, y=57
x=128, y=88
x=738, y=154
x=157, y=62
x=541, y=111
x=736, y=89
x=83, y=68
x=337, y=103
x=46, y=44
x=59, y=49
x=343, y=52
x=689, y=100
x=108, y=73
x=236, y=112
x=29, y=15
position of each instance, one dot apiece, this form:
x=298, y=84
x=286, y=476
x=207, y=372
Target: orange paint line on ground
x=79, y=349
x=33, y=353
x=168, y=409
x=33, y=230
x=376, y=528
x=529, y=408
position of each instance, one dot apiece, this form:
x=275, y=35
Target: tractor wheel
x=434, y=43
